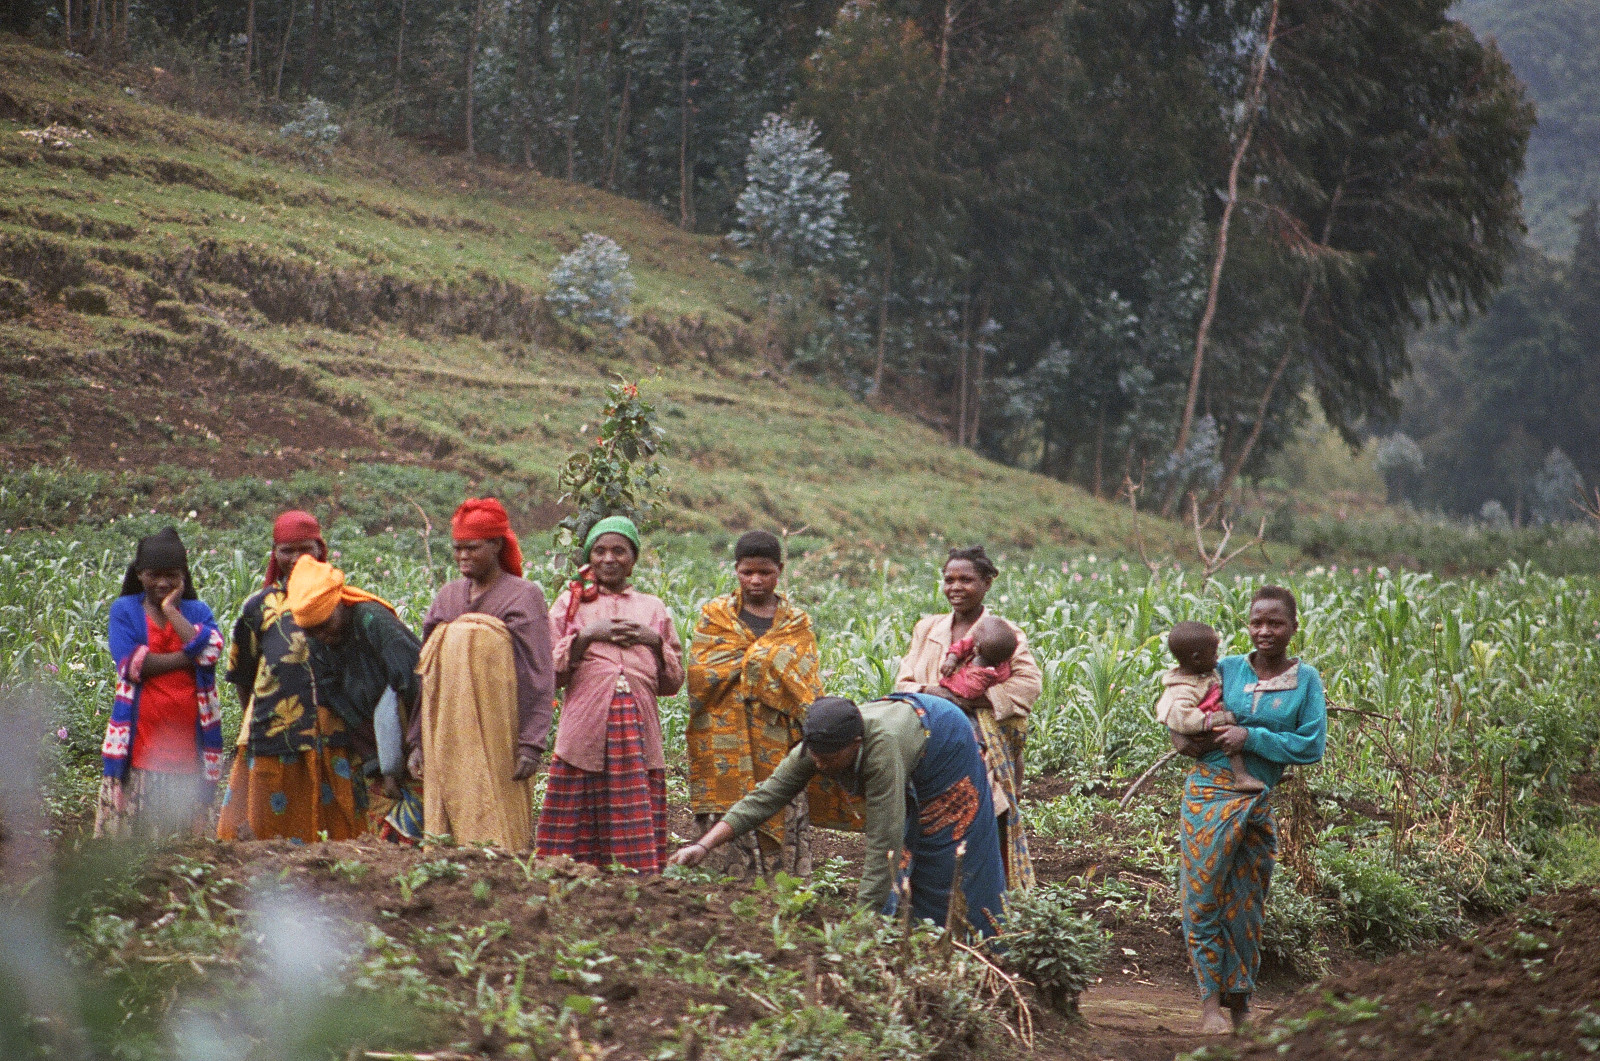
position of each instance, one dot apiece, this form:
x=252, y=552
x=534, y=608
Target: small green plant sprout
x=350, y=870
x=580, y=962
x=831, y=878
x=482, y=891
x=593, y=284
x=619, y=473
x=1588, y=1030
x=1052, y=945
x=423, y=873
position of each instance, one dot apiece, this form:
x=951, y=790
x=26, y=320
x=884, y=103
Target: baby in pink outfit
x=979, y=661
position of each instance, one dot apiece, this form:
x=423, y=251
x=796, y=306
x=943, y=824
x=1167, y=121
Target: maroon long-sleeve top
x=519, y=604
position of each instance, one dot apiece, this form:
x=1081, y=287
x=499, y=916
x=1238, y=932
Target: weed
x=1050, y=944
x=424, y=873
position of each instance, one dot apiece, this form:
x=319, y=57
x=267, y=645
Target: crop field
x=1461, y=707
x=1463, y=715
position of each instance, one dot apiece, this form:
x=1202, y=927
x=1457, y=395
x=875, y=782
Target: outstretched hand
x=690, y=855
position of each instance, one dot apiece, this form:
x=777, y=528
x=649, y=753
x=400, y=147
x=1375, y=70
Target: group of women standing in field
x=353, y=724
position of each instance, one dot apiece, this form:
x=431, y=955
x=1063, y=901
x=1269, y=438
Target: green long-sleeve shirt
x=891, y=747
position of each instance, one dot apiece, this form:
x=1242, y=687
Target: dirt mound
x=1527, y=986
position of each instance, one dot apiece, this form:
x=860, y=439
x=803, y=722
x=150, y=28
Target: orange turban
x=316, y=588
x=481, y=518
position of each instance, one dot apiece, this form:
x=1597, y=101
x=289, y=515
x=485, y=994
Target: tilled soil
x=1526, y=986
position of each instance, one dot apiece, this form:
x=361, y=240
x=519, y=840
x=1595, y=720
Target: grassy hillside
x=180, y=294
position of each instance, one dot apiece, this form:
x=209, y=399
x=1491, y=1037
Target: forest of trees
x=1099, y=238
x=1505, y=411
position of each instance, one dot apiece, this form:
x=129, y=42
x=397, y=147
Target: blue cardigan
x=1285, y=718
x=129, y=642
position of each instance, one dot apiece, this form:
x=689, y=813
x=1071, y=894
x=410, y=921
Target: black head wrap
x=831, y=723
x=161, y=551
x=760, y=543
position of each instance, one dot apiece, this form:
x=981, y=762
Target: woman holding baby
x=1228, y=837
x=991, y=676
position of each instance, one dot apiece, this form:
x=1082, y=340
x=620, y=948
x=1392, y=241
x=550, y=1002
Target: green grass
x=402, y=291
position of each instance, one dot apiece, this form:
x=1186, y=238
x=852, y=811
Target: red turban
x=482, y=518
x=292, y=526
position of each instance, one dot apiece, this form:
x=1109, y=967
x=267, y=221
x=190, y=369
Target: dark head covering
x=831, y=723
x=760, y=543
x=161, y=551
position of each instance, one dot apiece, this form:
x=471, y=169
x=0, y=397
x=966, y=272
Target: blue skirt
x=949, y=806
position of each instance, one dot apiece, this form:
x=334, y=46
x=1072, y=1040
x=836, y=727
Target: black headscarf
x=831, y=723
x=161, y=551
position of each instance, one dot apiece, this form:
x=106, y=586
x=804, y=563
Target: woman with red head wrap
x=488, y=687
x=297, y=771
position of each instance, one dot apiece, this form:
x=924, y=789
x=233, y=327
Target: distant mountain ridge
x=1554, y=46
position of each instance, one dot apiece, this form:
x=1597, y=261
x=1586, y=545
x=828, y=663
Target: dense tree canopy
x=1493, y=400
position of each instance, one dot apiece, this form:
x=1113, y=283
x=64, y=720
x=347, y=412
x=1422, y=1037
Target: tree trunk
x=94, y=22
x=622, y=109
x=283, y=52
x=1214, y=503
x=977, y=384
x=399, y=66
x=966, y=349
x=66, y=22
x=685, y=195
x=883, y=319
x=572, y=106
x=249, y=42
x=1099, y=454
x=1220, y=256
x=472, y=69
x=313, y=38
x=944, y=65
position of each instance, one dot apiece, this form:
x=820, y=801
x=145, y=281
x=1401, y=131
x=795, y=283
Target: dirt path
x=1132, y=1018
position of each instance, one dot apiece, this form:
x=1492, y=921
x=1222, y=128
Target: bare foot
x=1212, y=1022
x=1238, y=1010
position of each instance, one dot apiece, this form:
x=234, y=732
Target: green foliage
x=1051, y=945
x=1294, y=932
x=592, y=284
x=618, y=475
x=1383, y=906
x=423, y=873
x=1503, y=408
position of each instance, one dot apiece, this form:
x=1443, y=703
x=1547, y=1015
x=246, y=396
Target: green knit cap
x=612, y=525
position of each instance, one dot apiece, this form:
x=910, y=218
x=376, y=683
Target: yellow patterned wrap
x=747, y=698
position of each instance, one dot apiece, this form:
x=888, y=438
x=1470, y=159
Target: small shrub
x=13, y=298
x=173, y=314
x=593, y=284
x=1292, y=933
x=1382, y=907
x=313, y=127
x=90, y=298
x=1052, y=945
x=619, y=473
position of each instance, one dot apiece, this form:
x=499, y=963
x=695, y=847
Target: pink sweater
x=581, y=733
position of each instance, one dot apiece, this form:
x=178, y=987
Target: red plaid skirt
x=616, y=816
